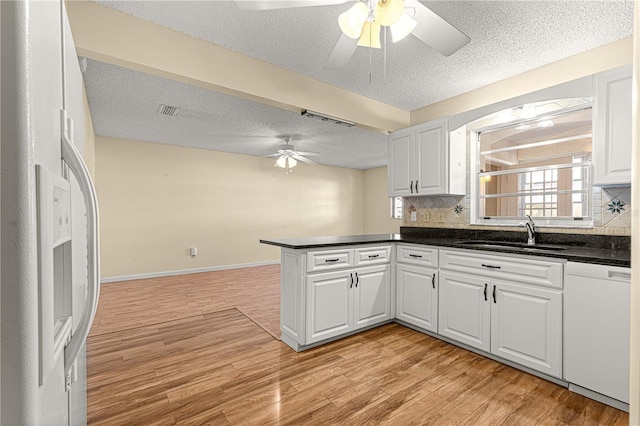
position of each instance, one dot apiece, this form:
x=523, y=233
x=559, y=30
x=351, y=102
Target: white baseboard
x=185, y=271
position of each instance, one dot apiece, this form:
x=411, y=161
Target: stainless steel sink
x=509, y=245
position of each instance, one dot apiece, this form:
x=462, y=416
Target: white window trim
x=474, y=168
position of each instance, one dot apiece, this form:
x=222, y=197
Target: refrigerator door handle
x=74, y=160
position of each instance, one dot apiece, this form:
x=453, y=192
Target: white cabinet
x=612, y=127
x=344, y=301
x=423, y=161
x=501, y=306
x=464, y=311
x=329, y=293
x=329, y=305
x=597, y=309
x=417, y=286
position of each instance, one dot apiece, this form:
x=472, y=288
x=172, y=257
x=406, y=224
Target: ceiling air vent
x=169, y=110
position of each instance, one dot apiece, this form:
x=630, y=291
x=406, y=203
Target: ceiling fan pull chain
x=384, y=61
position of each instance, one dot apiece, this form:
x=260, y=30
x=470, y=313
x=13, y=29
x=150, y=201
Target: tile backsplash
x=611, y=212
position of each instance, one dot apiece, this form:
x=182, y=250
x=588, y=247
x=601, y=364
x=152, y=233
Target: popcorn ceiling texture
x=507, y=38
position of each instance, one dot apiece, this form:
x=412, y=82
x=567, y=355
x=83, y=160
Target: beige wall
x=376, y=204
x=157, y=201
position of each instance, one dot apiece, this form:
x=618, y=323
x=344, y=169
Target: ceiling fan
x=361, y=24
x=288, y=157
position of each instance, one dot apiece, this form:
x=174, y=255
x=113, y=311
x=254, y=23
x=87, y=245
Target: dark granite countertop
x=597, y=249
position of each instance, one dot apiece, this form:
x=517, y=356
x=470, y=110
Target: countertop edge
x=572, y=254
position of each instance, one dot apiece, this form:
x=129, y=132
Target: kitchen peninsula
x=486, y=291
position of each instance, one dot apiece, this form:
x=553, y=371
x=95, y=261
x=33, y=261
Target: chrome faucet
x=531, y=230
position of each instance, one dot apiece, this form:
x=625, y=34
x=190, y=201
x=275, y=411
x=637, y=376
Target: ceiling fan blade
x=343, y=52
x=435, y=31
x=303, y=159
x=283, y=4
x=308, y=154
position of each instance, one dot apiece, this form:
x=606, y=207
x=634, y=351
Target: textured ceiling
x=125, y=103
x=507, y=38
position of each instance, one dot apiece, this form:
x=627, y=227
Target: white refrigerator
x=48, y=220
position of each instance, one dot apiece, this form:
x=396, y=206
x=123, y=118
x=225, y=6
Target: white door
x=400, y=163
x=433, y=164
x=417, y=296
x=526, y=326
x=371, y=295
x=464, y=309
x=329, y=305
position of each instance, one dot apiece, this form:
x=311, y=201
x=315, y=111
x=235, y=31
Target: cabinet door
x=371, y=295
x=328, y=305
x=464, y=309
x=432, y=155
x=417, y=296
x=612, y=132
x=400, y=165
x=526, y=326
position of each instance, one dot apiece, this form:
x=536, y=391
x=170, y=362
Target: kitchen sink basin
x=509, y=245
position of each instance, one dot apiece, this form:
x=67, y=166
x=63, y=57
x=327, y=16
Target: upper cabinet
x=426, y=160
x=612, y=128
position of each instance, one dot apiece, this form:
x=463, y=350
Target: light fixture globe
x=370, y=35
x=402, y=27
x=387, y=12
x=352, y=20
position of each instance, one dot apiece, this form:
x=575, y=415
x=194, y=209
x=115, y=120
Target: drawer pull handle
x=419, y=256
x=494, y=294
x=351, y=285
x=373, y=256
x=615, y=274
x=331, y=260
x=485, y=292
x=490, y=266
x=433, y=280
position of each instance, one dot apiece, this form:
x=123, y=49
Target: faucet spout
x=530, y=225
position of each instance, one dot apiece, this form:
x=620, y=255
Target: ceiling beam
x=113, y=37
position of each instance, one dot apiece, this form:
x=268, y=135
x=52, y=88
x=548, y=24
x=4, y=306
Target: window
x=534, y=160
x=396, y=207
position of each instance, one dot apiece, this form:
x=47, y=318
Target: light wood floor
x=195, y=350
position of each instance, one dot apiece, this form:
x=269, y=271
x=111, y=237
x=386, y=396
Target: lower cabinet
x=417, y=296
x=518, y=322
x=344, y=301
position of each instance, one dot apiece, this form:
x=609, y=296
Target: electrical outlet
x=193, y=251
x=426, y=217
x=414, y=217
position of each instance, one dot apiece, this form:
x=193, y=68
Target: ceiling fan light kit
x=352, y=20
x=370, y=35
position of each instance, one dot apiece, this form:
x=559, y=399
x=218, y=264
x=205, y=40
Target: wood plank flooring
x=200, y=349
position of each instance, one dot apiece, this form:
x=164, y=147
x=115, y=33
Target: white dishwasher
x=596, y=329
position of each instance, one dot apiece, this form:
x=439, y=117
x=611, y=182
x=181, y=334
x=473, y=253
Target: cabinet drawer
x=417, y=255
x=526, y=270
x=372, y=255
x=329, y=259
